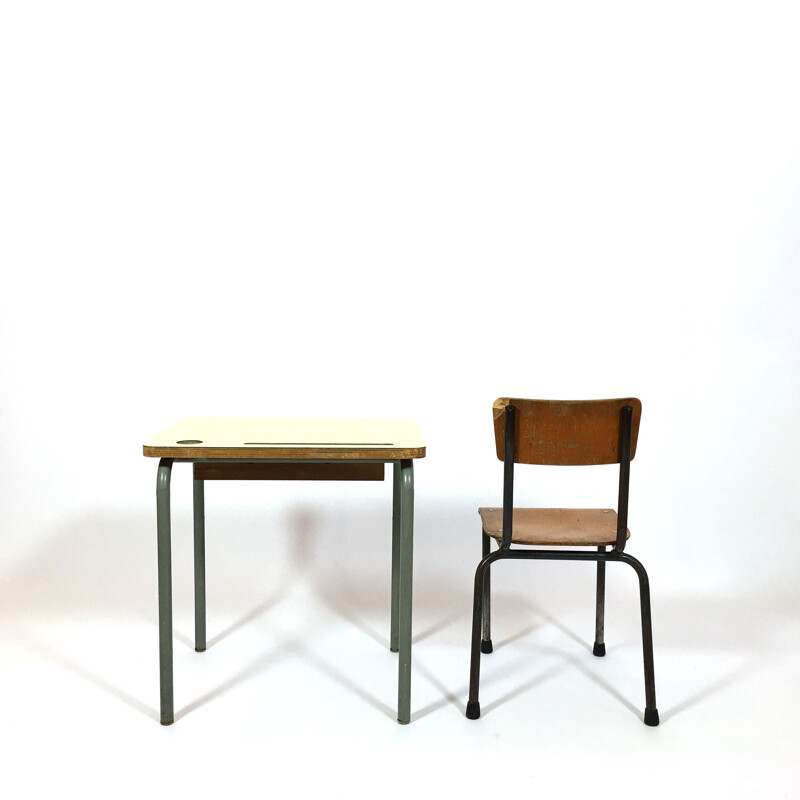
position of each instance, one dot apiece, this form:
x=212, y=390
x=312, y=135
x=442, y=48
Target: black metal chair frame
x=481, y=623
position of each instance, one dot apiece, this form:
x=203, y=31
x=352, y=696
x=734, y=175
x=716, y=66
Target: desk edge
x=269, y=453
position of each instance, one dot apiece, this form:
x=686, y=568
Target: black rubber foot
x=167, y=721
x=486, y=646
x=651, y=717
x=599, y=649
x=473, y=710
x=199, y=649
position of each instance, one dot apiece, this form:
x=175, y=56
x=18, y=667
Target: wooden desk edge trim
x=283, y=452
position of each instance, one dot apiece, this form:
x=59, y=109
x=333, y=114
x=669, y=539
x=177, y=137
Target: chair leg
x=599, y=648
x=486, y=613
x=650, y=710
x=473, y=706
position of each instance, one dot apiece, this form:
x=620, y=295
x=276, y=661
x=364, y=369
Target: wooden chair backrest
x=565, y=432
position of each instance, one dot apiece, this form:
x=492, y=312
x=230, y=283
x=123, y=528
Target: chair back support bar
x=509, y=433
x=566, y=433
x=625, y=434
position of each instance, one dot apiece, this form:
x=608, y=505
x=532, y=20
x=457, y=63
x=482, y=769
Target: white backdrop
x=397, y=209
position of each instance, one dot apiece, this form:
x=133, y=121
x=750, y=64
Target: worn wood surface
x=565, y=432
x=555, y=527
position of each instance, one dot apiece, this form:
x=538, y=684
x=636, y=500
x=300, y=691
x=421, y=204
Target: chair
x=561, y=433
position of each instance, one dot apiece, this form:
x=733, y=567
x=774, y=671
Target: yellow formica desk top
x=264, y=437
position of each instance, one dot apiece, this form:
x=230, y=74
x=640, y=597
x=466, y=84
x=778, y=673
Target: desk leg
x=406, y=559
x=164, y=589
x=199, y=566
x=395, y=625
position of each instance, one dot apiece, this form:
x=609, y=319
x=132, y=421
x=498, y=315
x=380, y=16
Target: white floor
x=296, y=694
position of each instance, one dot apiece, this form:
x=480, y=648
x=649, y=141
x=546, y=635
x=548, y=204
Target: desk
x=225, y=448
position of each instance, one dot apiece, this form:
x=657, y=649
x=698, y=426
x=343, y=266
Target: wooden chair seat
x=555, y=527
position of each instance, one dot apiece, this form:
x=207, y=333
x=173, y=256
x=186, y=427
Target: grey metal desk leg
x=406, y=491
x=199, y=566
x=164, y=589
x=395, y=558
